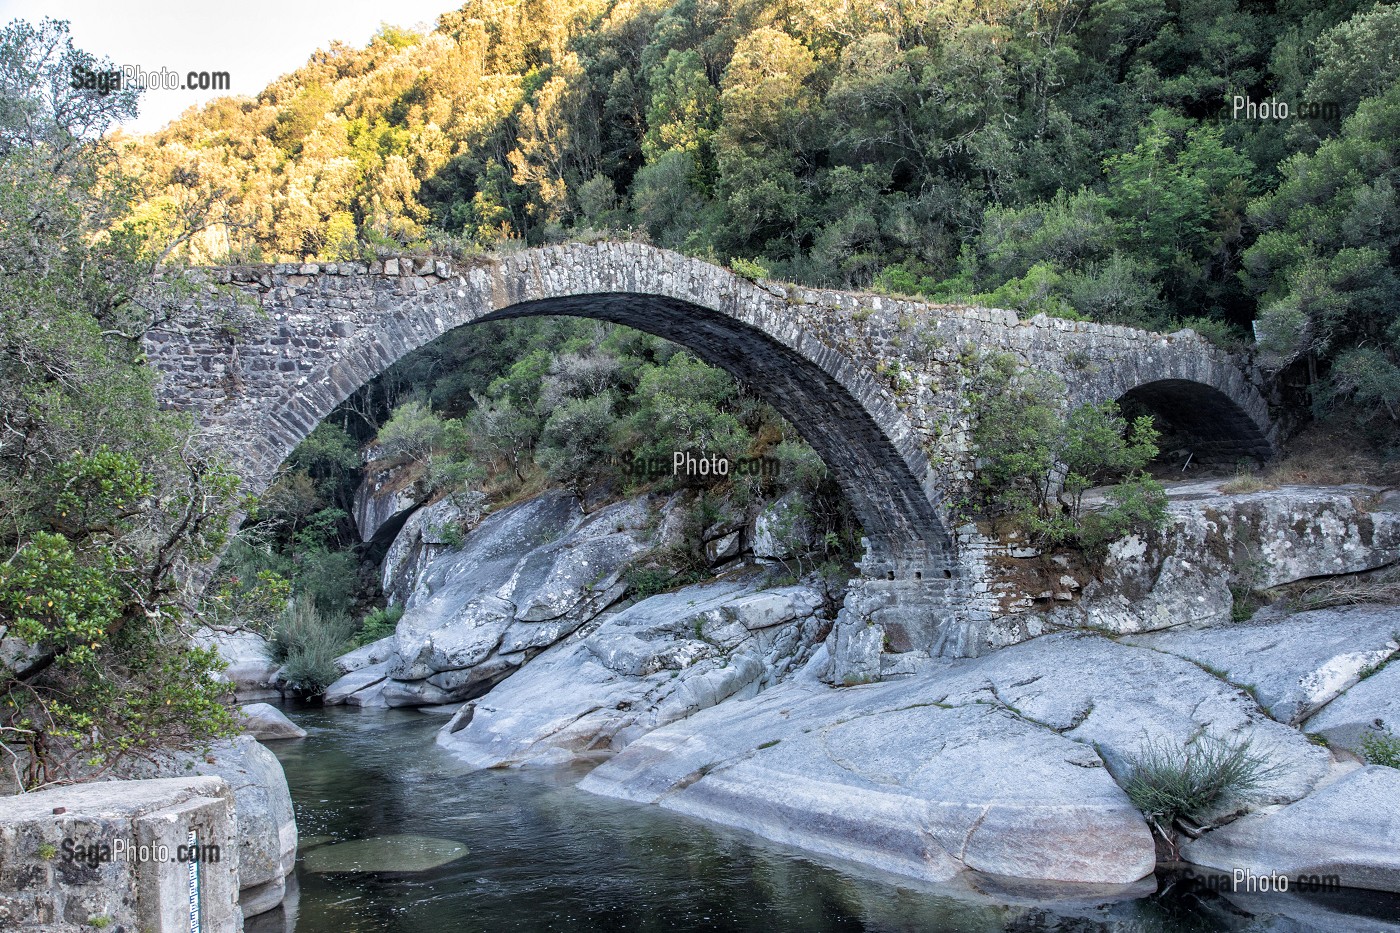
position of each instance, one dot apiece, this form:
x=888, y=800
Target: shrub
x=329, y=578
x=1026, y=449
x=754, y=269
x=644, y=582
x=576, y=439
x=379, y=623
x=1170, y=782
x=307, y=643
x=1381, y=748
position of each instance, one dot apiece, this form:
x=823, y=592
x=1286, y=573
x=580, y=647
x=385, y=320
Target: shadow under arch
x=899, y=518
x=1201, y=419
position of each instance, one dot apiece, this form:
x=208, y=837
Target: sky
x=255, y=41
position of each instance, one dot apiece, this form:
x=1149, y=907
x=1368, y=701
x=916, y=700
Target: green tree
x=1324, y=265
x=576, y=441
x=107, y=504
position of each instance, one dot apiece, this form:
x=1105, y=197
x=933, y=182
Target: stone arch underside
x=872, y=451
x=1201, y=397
x=1203, y=419
x=895, y=510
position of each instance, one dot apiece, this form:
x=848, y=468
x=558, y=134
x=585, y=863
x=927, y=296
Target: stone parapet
x=119, y=855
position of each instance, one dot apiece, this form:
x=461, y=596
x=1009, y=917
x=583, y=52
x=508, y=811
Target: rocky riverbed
x=716, y=700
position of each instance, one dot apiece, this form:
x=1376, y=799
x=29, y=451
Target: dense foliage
x=1036, y=463
x=1079, y=157
x=104, y=500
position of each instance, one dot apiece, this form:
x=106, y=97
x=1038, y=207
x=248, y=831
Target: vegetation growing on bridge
x=1035, y=462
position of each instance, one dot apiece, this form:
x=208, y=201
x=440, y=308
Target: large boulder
x=355, y=684
x=873, y=775
x=1350, y=828
x=267, y=829
x=267, y=723
x=1294, y=665
x=657, y=661
x=428, y=533
x=783, y=528
x=1122, y=698
x=251, y=670
x=386, y=493
x=1004, y=763
x=376, y=652
x=524, y=579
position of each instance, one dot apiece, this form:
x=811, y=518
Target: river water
x=526, y=851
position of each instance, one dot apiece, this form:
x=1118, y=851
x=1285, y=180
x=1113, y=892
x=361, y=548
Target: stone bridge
x=261, y=354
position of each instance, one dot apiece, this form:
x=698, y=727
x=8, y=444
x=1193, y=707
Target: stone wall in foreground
x=71, y=858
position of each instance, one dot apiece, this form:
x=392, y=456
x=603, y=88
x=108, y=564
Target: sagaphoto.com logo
x=134, y=77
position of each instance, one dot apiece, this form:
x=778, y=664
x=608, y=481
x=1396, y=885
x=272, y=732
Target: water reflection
x=543, y=856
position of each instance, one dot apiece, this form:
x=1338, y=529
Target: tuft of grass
x=1172, y=782
x=307, y=643
x=1381, y=748
x=1246, y=481
x=377, y=624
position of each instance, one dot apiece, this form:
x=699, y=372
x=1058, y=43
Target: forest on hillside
x=1083, y=158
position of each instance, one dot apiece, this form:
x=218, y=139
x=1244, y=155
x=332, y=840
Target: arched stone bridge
x=263, y=353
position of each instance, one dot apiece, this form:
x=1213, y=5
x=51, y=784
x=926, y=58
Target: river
x=526, y=851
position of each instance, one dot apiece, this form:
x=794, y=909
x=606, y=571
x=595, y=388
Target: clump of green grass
x=1171, y=782
x=377, y=624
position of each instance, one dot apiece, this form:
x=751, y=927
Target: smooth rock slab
x=376, y=652
x=353, y=683
x=1373, y=705
x=267, y=723
x=657, y=661
x=1120, y=698
x=1350, y=828
x=1295, y=664
x=913, y=788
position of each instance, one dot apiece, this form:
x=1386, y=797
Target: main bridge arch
x=263, y=353
x=260, y=381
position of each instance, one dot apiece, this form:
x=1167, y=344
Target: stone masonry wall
x=55, y=878
x=876, y=385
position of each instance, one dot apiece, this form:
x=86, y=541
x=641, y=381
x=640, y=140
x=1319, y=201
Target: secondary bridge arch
x=263, y=353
